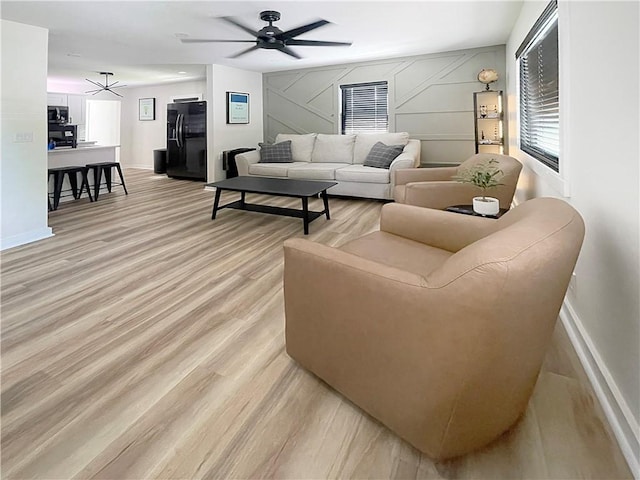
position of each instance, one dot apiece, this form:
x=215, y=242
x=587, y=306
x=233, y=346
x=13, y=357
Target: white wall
x=220, y=135
x=23, y=163
x=75, y=88
x=599, y=51
x=138, y=138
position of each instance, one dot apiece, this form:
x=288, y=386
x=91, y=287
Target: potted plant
x=485, y=176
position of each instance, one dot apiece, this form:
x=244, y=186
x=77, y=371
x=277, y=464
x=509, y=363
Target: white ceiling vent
x=194, y=97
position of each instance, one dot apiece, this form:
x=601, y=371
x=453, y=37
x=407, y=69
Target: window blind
x=539, y=91
x=364, y=108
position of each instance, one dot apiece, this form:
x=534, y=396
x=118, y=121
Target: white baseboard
x=142, y=167
x=27, y=237
x=619, y=415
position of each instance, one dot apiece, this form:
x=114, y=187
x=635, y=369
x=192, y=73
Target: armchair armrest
x=409, y=175
x=446, y=230
x=402, y=162
x=439, y=194
x=243, y=160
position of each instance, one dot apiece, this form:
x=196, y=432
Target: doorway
x=103, y=123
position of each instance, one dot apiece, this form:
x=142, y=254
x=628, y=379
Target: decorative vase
x=486, y=205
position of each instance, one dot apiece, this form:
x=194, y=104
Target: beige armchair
x=437, y=324
x=435, y=187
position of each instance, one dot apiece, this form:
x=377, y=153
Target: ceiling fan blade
x=206, y=40
x=119, y=86
x=111, y=91
x=95, y=83
x=250, y=49
x=300, y=30
x=317, y=43
x=290, y=52
x=233, y=21
x=96, y=90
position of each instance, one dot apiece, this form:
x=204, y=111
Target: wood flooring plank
x=145, y=340
x=570, y=429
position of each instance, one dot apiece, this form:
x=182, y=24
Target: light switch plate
x=23, y=137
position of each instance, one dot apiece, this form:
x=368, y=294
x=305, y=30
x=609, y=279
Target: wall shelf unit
x=488, y=121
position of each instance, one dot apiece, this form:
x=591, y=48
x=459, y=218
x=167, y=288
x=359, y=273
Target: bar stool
x=98, y=169
x=58, y=174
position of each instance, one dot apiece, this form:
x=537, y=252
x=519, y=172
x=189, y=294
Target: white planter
x=486, y=205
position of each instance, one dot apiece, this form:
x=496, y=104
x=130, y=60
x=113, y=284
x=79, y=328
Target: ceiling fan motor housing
x=270, y=16
x=267, y=35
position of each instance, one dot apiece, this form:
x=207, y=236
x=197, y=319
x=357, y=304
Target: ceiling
x=139, y=40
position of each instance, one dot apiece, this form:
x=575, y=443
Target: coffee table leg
x=215, y=204
x=305, y=209
x=325, y=199
x=242, y=198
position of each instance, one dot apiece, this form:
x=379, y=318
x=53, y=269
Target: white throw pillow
x=301, y=145
x=365, y=141
x=333, y=148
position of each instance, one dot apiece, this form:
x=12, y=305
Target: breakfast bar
x=67, y=156
x=80, y=156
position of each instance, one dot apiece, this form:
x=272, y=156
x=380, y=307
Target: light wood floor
x=146, y=341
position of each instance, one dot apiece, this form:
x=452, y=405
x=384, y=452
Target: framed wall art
x=147, y=109
x=237, y=107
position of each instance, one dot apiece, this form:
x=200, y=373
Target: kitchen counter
x=80, y=148
x=67, y=156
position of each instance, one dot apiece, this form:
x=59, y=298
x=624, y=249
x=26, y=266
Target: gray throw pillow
x=381, y=155
x=276, y=153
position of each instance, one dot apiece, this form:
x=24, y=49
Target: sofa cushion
x=382, y=155
x=301, y=145
x=271, y=169
x=333, y=148
x=398, y=252
x=276, y=153
x=362, y=174
x=365, y=141
x=315, y=171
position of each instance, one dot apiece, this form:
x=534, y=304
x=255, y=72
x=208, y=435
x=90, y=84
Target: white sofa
x=337, y=158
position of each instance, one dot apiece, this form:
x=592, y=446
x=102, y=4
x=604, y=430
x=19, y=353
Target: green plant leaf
x=484, y=175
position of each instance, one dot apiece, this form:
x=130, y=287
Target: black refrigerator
x=187, y=140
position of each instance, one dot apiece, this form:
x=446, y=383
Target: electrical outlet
x=573, y=283
x=23, y=137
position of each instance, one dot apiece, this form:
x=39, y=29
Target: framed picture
x=237, y=107
x=147, y=109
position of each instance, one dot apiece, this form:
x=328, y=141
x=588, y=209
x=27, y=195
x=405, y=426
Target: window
x=364, y=108
x=539, y=95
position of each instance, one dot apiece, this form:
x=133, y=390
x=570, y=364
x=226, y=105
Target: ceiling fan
x=271, y=37
x=106, y=87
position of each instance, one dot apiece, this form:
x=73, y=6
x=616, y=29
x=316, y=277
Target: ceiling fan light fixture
x=107, y=87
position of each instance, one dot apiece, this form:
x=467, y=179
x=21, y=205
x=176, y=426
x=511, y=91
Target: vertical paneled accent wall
x=430, y=96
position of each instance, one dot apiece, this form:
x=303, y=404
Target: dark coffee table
x=281, y=187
